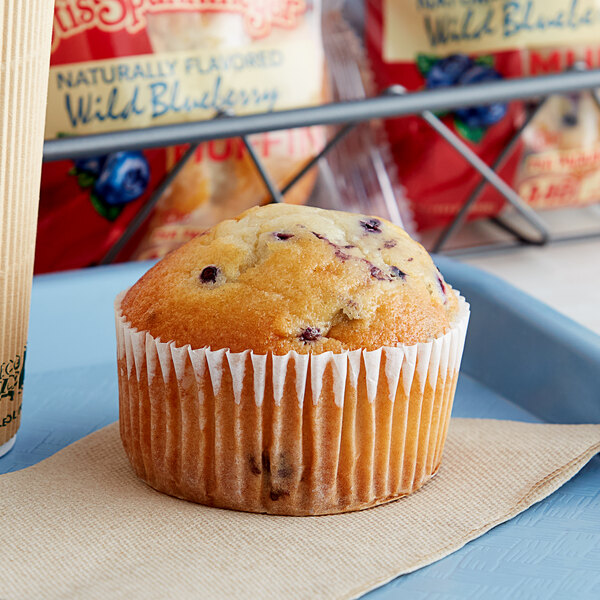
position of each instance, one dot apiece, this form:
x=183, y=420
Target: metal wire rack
x=394, y=102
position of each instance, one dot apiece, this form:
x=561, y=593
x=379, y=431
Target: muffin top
x=280, y=278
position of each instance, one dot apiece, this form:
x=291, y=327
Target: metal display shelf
x=394, y=102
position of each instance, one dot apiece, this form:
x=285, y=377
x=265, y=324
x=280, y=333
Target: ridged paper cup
x=298, y=434
x=25, y=32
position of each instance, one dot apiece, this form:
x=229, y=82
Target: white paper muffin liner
x=293, y=434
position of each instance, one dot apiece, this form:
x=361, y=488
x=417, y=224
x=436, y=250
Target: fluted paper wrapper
x=81, y=525
x=298, y=434
x=25, y=31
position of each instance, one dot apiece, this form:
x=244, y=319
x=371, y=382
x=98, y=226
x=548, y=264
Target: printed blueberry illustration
x=458, y=69
x=124, y=178
x=92, y=165
x=115, y=180
x=480, y=116
x=448, y=71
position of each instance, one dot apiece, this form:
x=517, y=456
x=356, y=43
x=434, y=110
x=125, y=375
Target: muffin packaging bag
x=123, y=64
x=291, y=434
x=560, y=165
x=428, y=45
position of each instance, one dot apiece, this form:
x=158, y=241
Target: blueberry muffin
x=291, y=361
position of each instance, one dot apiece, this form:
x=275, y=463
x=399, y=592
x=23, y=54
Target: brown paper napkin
x=80, y=525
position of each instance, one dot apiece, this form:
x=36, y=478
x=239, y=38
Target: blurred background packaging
x=117, y=65
x=440, y=44
x=170, y=63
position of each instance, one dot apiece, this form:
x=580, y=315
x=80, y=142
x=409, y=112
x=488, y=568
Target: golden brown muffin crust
x=281, y=278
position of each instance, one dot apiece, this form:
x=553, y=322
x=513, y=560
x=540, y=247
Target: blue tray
x=522, y=361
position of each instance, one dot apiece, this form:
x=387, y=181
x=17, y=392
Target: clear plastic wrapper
x=359, y=174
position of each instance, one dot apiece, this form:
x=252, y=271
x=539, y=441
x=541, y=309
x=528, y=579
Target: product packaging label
x=169, y=62
x=429, y=44
x=129, y=64
x=471, y=26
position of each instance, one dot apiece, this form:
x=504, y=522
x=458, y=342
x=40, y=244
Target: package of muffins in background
x=414, y=44
x=428, y=45
x=357, y=175
x=120, y=64
x=561, y=145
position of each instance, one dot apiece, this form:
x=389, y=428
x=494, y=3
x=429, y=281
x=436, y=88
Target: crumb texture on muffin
x=282, y=277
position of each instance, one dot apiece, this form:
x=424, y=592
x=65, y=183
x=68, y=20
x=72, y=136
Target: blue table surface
x=550, y=550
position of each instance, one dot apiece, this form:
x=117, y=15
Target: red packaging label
x=125, y=64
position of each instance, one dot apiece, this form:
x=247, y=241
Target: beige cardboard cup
x=25, y=32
